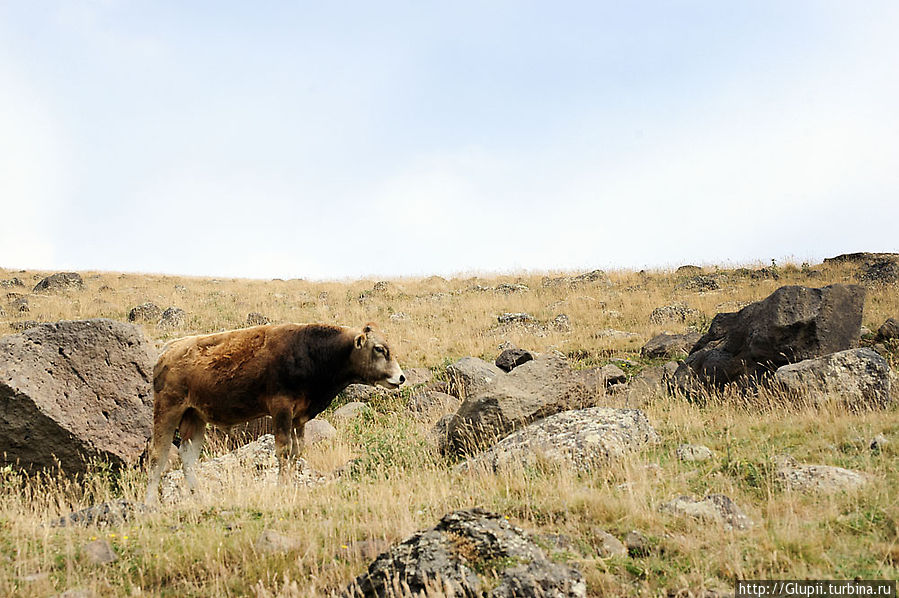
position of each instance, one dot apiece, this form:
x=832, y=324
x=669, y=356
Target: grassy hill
x=207, y=544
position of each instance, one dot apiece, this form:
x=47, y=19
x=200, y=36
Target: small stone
x=318, y=430
x=100, y=552
x=608, y=545
x=816, y=479
x=172, y=317
x=878, y=442
x=512, y=358
x=145, y=312
x=714, y=507
x=693, y=453
x=254, y=318
x=637, y=544
x=416, y=376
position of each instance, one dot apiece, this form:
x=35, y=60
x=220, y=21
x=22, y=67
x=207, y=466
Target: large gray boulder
x=583, y=439
x=857, y=378
x=816, y=479
x=791, y=324
x=75, y=390
x=468, y=553
x=471, y=376
x=538, y=388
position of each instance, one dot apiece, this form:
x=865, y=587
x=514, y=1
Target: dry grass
x=206, y=546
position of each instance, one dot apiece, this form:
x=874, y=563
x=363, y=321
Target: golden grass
x=206, y=546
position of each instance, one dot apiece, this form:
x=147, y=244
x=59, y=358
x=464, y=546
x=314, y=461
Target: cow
x=291, y=372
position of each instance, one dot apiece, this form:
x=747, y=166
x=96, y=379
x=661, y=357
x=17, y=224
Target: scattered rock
x=860, y=258
x=857, y=378
x=693, y=453
x=145, y=312
x=61, y=281
x=466, y=554
x=700, y=283
x=73, y=391
x=584, y=439
x=254, y=318
x=599, y=378
x=533, y=390
x=23, y=325
x=399, y=317
x=114, y=512
x=561, y=323
x=471, y=376
x=351, y=410
x=816, y=479
x=878, y=443
x=99, y=552
x=888, y=330
x=669, y=345
x=791, y=324
x=364, y=392
x=172, y=317
x=508, y=288
x=431, y=404
x=676, y=312
x=12, y=282
x=516, y=318
x=637, y=544
x=318, y=430
x=688, y=269
x=20, y=304
x=714, y=507
x=273, y=542
x=607, y=545
x=512, y=358
x=880, y=272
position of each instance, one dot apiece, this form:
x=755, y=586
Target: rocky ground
x=566, y=435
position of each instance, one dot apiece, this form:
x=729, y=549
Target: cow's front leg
x=283, y=423
x=298, y=443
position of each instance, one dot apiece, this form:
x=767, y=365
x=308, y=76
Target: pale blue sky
x=328, y=140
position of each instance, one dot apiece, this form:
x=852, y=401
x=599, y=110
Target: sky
x=331, y=140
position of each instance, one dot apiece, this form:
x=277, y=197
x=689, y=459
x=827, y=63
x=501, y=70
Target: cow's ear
x=359, y=341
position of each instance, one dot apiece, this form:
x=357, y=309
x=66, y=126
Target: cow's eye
x=380, y=349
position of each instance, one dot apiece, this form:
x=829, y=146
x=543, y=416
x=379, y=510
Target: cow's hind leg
x=165, y=421
x=193, y=433
x=283, y=424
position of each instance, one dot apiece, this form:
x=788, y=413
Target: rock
x=172, y=317
x=859, y=258
x=431, y=404
x=878, y=443
x=516, y=318
x=351, y=410
x=471, y=376
x=533, y=390
x=254, y=318
x=693, y=453
x=677, y=312
x=417, y=376
x=700, y=283
x=688, y=270
x=466, y=554
x=272, y=542
x=637, y=544
x=616, y=335
x=399, y=317
x=507, y=288
x=857, y=378
x=73, y=391
x=888, y=330
x=10, y=283
x=584, y=439
x=61, y=281
x=145, y=312
x=880, y=272
x=439, y=433
x=114, y=512
x=607, y=545
x=20, y=304
x=512, y=358
x=596, y=380
x=23, y=325
x=714, y=507
x=816, y=479
x=669, y=345
x=561, y=323
x=318, y=430
x=256, y=459
x=99, y=552
x=356, y=393
x=791, y=324
x=654, y=379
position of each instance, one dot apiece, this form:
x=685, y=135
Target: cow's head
x=373, y=360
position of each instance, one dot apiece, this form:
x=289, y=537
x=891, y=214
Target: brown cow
x=291, y=372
